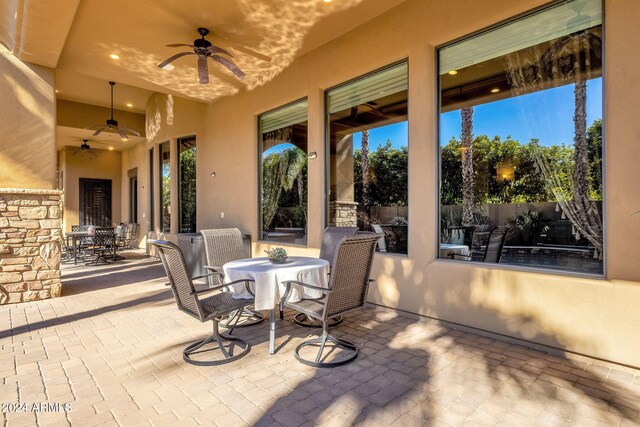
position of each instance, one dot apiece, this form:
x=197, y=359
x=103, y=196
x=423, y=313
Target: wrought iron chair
x=330, y=240
x=103, y=246
x=223, y=245
x=348, y=287
x=214, y=307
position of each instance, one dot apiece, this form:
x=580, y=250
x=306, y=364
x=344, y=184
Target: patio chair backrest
x=349, y=281
x=104, y=237
x=179, y=278
x=223, y=245
x=495, y=244
x=75, y=228
x=331, y=238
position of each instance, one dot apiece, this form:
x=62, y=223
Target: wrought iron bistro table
x=268, y=285
x=75, y=236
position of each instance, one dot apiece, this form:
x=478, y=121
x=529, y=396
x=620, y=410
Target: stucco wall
x=27, y=114
x=169, y=118
x=106, y=165
x=598, y=317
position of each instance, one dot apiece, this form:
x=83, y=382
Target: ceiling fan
x=83, y=149
x=112, y=125
x=204, y=49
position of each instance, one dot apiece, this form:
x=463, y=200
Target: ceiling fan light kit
x=204, y=49
x=112, y=124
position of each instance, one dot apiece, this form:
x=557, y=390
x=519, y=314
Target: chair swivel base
x=243, y=318
x=350, y=349
x=302, y=320
x=226, y=350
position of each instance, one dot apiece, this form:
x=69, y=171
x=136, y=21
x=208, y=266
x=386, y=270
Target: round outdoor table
x=449, y=248
x=268, y=279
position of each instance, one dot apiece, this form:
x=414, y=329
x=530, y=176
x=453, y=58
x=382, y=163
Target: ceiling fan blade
x=92, y=154
x=96, y=133
x=203, y=70
x=179, y=45
x=131, y=131
x=216, y=49
x=121, y=133
x=230, y=65
x=173, y=58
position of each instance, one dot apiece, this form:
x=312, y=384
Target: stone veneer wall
x=30, y=237
x=343, y=214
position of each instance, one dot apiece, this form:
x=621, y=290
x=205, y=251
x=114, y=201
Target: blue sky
x=546, y=115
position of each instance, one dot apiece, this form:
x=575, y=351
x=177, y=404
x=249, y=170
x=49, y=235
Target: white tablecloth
x=450, y=248
x=269, y=277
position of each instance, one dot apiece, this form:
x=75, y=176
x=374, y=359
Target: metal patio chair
x=223, y=245
x=331, y=237
x=347, y=291
x=103, y=246
x=214, y=307
x=486, y=247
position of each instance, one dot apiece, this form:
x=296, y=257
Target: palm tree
x=279, y=174
x=364, y=154
x=467, y=165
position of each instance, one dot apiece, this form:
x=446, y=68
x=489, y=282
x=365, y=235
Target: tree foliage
x=388, y=177
x=281, y=171
x=527, y=185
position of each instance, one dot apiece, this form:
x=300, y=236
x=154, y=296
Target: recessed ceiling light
x=57, y=91
x=110, y=148
x=130, y=105
x=168, y=67
x=124, y=139
x=114, y=56
x=495, y=90
x=453, y=72
x=327, y=1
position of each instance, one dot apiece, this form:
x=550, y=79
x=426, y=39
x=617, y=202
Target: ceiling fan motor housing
x=111, y=122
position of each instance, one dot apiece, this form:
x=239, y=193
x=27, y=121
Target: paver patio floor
x=111, y=346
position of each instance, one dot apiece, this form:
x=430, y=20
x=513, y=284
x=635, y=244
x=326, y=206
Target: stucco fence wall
x=30, y=238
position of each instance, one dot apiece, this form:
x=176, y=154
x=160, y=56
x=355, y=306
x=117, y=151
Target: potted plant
x=277, y=255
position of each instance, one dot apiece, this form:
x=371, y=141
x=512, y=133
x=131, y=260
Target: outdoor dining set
x=239, y=288
x=93, y=245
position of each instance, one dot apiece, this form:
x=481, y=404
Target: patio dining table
x=447, y=249
x=268, y=279
x=75, y=236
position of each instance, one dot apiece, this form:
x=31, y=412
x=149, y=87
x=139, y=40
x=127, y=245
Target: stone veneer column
x=30, y=237
x=343, y=214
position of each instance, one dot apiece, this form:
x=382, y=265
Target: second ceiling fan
x=112, y=124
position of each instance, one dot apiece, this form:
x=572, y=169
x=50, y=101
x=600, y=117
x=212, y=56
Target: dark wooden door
x=95, y=202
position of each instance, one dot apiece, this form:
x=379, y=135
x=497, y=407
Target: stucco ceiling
x=76, y=38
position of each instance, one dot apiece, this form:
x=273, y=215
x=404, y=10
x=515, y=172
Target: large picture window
x=187, y=184
x=368, y=156
x=283, y=173
x=165, y=187
x=521, y=142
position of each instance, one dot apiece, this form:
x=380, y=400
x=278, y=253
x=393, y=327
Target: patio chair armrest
x=288, y=284
x=246, y=285
x=222, y=286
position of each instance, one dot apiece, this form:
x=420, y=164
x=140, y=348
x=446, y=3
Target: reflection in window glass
x=165, y=187
x=283, y=179
x=187, y=186
x=368, y=156
x=521, y=142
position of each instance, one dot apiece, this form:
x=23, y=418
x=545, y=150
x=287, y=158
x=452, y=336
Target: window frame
x=327, y=148
x=179, y=141
x=438, y=173
x=161, y=186
x=260, y=237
